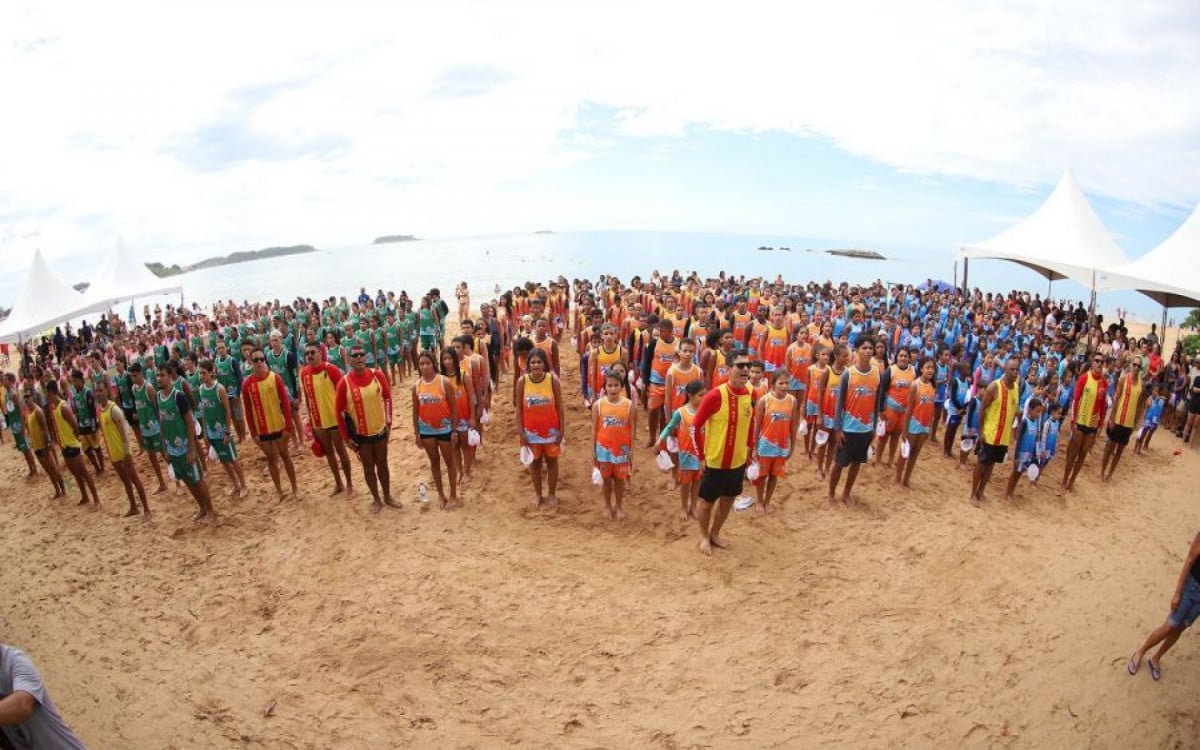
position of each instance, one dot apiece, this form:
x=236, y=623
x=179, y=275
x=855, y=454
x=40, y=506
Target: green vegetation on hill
x=394, y=238
x=162, y=271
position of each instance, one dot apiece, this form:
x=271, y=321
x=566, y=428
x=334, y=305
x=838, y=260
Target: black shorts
x=442, y=437
x=130, y=416
x=1085, y=430
x=991, y=454
x=1120, y=434
x=39, y=452
x=1193, y=405
x=268, y=437
x=70, y=452
x=718, y=483
x=370, y=439
x=853, y=449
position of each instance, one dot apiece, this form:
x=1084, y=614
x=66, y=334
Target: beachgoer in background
x=1184, y=610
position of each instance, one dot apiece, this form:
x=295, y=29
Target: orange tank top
x=922, y=412
x=862, y=391
x=614, y=433
x=433, y=408
x=679, y=383
x=539, y=412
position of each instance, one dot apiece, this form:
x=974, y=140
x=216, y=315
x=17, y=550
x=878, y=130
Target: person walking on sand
x=182, y=446
x=62, y=426
x=725, y=415
x=1088, y=407
x=1185, y=609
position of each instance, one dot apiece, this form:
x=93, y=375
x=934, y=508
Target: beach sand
x=914, y=621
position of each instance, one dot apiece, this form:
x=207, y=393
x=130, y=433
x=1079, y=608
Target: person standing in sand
x=1088, y=407
x=1185, y=609
x=854, y=424
x=62, y=426
x=725, y=415
x=180, y=443
x=540, y=423
x=40, y=442
x=269, y=417
x=319, y=379
x=116, y=442
x=999, y=409
x=214, y=404
x=363, y=405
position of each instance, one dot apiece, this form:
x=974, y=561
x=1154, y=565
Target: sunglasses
x=311, y=352
x=356, y=355
x=258, y=359
x=741, y=365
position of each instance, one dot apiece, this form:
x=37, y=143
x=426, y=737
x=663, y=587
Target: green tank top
x=212, y=412
x=223, y=366
x=279, y=365
x=84, y=413
x=147, y=411
x=160, y=355
x=334, y=355
x=174, y=430
x=125, y=391
x=425, y=322
x=391, y=335
x=193, y=381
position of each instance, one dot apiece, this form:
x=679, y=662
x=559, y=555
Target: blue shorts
x=1023, y=462
x=1189, y=606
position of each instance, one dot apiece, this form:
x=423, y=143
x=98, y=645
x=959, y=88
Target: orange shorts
x=656, y=396
x=613, y=471
x=545, y=450
x=892, y=419
x=689, y=476
x=771, y=467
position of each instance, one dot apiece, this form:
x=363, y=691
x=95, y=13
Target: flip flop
x=1155, y=671
x=1133, y=666
x=743, y=503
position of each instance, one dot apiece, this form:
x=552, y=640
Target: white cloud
x=216, y=127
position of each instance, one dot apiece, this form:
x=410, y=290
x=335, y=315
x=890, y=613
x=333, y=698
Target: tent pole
x=966, y=269
x=1092, y=302
x=1162, y=331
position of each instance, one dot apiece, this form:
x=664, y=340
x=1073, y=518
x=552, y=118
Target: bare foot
x=705, y=546
x=200, y=515
x=537, y=501
x=719, y=542
x=131, y=512
x=620, y=515
x=147, y=517
x=349, y=491
x=161, y=489
x=376, y=506
x=765, y=509
x=553, y=502
x=337, y=490
x=391, y=503
x=84, y=501
x=684, y=515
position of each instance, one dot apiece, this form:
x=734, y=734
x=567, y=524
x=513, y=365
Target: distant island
x=854, y=253
x=543, y=231
x=394, y=238
x=162, y=271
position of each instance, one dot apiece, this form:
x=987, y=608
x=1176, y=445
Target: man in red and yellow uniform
x=1087, y=414
x=269, y=416
x=319, y=380
x=725, y=414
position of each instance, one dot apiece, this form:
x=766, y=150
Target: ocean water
x=508, y=260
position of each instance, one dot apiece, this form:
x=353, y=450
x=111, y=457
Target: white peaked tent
x=1170, y=273
x=45, y=301
x=1063, y=239
x=123, y=277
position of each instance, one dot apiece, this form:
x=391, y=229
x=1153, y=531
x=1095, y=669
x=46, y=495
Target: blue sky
x=918, y=126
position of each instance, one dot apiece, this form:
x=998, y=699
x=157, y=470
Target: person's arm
x=386, y=391
x=41, y=418
x=451, y=400
x=118, y=418
x=558, y=405
x=1076, y=397
x=989, y=395
x=69, y=415
x=554, y=355
x=472, y=401
x=908, y=411
x=671, y=426
x=885, y=380
x=839, y=412
x=647, y=359
x=519, y=400
x=248, y=407
x=1193, y=553
x=708, y=361
x=285, y=402
x=184, y=405
x=17, y=706
x=708, y=406
x=595, y=426
x=757, y=424
x=223, y=397
x=1102, y=400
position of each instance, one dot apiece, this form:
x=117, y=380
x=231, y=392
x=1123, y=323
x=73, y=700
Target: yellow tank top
x=726, y=432
x=34, y=433
x=113, y=439
x=1125, y=405
x=366, y=407
x=998, y=421
x=63, y=430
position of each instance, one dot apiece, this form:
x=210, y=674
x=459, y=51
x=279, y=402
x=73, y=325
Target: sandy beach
x=913, y=621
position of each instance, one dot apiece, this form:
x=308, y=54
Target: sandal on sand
x=1155, y=672
x=1133, y=666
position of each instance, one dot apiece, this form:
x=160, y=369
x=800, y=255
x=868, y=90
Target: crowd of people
x=842, y=375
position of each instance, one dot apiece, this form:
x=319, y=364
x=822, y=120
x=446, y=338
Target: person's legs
x=1110, y=447
x=618, y=486
x=270, y=449
x=201, y=494
x=158, y=472
x=286, y=456
x=835, y=474
x=383, y=473
x=449, y=456
x=120, y=467
x=46, y=459
x=951, y=430
x=769, y=493
x=552, y=482
x=1116, y=459
x=1011, y=487
x=367, y=458
x=724, y=505
x=1072, y=454
x=851, y=475
x=1157, y=636
x=977, y=483
x=703, y=518
x=1085, y=447
x=435, y=464
x=339, y=446
x=606, y=489
x=331, y=459
x=28, y=454
x=535, y=472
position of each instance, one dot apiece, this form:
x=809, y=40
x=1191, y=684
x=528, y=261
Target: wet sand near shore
x=914, y=620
